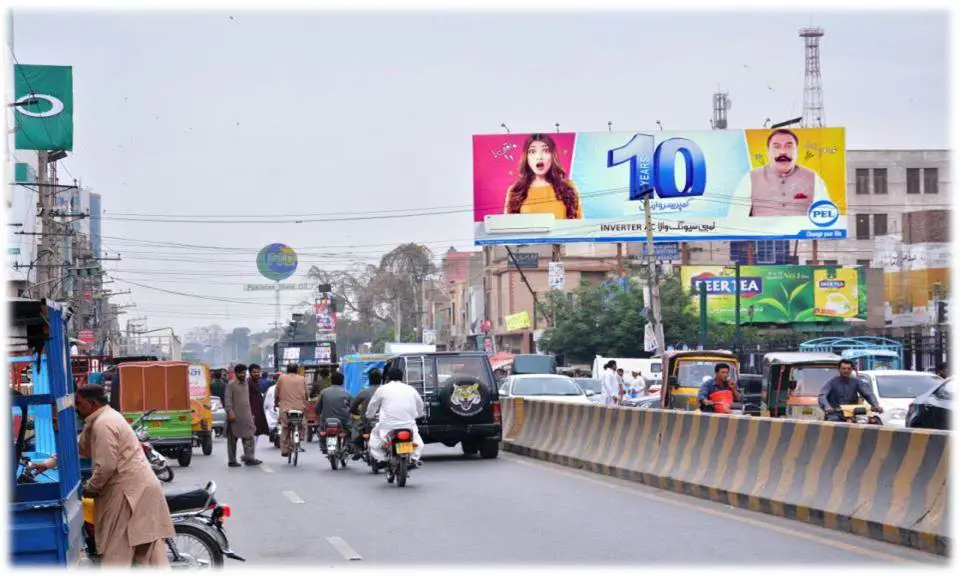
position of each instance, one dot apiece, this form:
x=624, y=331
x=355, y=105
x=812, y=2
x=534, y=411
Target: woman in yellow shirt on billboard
x=542, y=186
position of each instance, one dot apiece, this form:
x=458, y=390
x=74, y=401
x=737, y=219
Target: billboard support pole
x=736, y=311
x=652, y=274
x=703, y=315
x=276, y=315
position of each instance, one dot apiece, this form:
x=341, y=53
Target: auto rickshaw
x=164, y=386
x=792, y=382
x=201, y=408
x=685, y=371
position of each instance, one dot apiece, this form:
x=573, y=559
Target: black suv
x=460, y=399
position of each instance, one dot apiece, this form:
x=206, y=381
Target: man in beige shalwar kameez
x=131, y=514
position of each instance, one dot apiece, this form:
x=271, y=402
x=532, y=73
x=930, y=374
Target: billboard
x=277, y=262
x=779, y=294
x=43, y=104
x=709, y=185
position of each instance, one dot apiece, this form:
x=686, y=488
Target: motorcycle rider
x=334, y=402
x=398, y=405
x=843, y=389
x=358, y=408
x=291, y=394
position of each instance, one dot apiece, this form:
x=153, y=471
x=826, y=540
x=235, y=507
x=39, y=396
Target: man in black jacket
x=358, y=406
x=334, y=402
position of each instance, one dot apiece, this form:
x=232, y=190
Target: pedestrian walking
x=240, y=420
x=130, y=512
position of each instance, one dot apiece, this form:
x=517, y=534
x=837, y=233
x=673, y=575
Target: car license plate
x=404, y=448
x=156, y=424
x=808, y=411
x=331, y=443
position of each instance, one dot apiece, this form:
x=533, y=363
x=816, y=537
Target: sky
x=304, y=115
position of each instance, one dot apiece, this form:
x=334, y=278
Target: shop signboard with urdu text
x=708, y=185
x=779, y=294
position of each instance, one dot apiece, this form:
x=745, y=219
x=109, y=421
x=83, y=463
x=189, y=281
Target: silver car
x=219, y=416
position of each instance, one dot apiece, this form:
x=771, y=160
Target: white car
x=545, y=387
x=896, y=389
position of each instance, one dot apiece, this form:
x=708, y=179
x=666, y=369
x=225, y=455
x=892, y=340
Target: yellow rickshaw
x=201, y=407
x=685, y=371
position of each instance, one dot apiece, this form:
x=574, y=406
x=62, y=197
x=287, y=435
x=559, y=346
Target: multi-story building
x=506, y=293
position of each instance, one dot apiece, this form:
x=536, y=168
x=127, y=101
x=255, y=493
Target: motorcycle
x=157, y=460
x=333, y=439
x=401, y=447
x=858, y=414
x=200, y=540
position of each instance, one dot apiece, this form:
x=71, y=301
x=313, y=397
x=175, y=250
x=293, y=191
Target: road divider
x=883, y=483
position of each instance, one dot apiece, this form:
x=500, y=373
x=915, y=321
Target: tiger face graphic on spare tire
x=465, y=399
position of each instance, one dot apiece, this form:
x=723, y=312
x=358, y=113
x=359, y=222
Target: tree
x=609, y=320
x=600, y=319
x=377, y=295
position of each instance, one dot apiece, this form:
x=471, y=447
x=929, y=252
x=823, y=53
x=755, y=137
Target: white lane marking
x=292, y=496
x=267, y=469
x=343, y=548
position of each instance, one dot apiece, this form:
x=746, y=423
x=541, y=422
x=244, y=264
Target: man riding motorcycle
x=398, y=406
x=358, y=408
x=334, y=402
x=843, y=389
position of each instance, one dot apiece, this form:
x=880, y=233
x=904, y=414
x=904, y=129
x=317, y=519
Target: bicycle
x=294, y=421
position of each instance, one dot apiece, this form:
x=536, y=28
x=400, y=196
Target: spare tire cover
x=464, y=395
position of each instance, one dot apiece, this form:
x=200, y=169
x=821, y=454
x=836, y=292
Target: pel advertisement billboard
x=779, y=294
x=709, y=185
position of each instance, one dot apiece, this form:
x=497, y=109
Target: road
x=512, y=510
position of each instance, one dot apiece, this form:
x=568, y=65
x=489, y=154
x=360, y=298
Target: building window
x=880, y=181
x=772, y=251
x=863, y=181
x=738, y=252
x=879, y=224
x=764, y=252
x=863, y=226
x=913, y=180
x=830, y=262
x=931, y=181
x=864, y=263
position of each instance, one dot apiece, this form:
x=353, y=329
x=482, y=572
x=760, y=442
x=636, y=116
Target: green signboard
x=780, y=294
x=43, y=98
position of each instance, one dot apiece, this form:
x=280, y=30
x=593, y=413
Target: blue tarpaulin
x=356, y=370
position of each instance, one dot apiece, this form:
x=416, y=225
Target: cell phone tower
x=812, y=79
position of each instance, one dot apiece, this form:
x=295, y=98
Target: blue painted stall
x=46, y=516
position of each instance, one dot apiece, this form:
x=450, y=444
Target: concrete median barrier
x=883, y=483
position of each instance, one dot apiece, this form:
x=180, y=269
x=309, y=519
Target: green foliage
x=608, y=321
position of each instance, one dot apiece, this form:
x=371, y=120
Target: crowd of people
x=256, y=405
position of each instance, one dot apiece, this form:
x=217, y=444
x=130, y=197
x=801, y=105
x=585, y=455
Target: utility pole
x=396, y=318
x=652, y=274
x=44, y=251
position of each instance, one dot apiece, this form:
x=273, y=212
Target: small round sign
x=823, y=213
x=277, y=262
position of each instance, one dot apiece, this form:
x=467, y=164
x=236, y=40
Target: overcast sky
x=196, y=115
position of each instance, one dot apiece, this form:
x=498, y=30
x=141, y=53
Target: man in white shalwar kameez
x=395, y=405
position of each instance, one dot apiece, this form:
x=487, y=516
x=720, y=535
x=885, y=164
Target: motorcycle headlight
x=898, y=414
